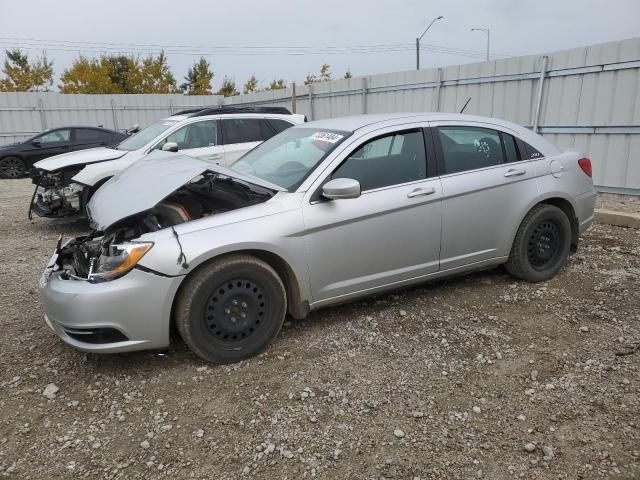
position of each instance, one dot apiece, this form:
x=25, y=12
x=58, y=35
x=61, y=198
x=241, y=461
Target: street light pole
x=487, y=31
x=420, y=38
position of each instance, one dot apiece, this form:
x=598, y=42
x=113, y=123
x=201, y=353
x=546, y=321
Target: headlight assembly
x=119, y=259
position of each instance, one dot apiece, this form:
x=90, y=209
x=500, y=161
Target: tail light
x=585, y=165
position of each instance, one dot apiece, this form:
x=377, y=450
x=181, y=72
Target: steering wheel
x=289, y=168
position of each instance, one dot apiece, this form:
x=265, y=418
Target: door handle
x=515, y=172
x=419, y=192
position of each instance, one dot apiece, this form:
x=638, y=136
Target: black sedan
x=18, y=158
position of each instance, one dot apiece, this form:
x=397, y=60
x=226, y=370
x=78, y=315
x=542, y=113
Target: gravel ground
x=477, y=376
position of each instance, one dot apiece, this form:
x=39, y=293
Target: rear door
x=87, y=138
x=241, y=135
x=391, y=233
x=486, y=187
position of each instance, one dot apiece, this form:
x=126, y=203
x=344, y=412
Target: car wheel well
x=297, y=307
x=569, y=211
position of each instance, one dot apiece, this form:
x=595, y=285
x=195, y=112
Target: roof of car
x=355, y=122
x=380, y=120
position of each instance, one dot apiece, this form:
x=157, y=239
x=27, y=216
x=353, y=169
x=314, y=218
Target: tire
x=12, y=167
x=541, y=245
x=230, y=309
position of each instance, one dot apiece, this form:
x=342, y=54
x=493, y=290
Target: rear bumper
x=585, y=207
x=123, y=315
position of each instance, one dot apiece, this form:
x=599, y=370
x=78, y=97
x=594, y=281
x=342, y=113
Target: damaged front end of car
x=56, y=195
x=109, y=253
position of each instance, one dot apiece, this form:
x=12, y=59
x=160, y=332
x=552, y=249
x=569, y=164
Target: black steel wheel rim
x=11, y=167
x=544, y=244
x=236, y=310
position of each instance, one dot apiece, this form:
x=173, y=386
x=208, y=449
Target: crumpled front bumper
x=134, y=310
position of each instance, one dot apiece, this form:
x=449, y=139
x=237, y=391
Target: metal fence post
x=171, y=106
x=293, y=97
x=436, y=95
x=364, y=94
x=115, y=115
x=543, y=73
x=310, y=102
x=43, y=115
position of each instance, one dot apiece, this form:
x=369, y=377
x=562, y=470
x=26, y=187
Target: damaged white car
x=320, y=214
x=65, y=183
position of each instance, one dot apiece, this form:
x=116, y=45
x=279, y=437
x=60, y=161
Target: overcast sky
x=188, y=28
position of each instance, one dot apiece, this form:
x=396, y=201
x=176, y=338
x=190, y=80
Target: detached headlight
x=119, y=260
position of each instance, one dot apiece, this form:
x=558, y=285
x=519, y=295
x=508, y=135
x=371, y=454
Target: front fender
x=93, y=173
x=277, y=234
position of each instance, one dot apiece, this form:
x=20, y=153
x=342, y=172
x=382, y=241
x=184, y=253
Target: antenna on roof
x=465, y=105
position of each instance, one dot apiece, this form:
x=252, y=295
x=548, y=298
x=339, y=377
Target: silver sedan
x=322, y=213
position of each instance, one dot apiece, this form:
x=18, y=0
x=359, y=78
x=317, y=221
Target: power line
x=110, y=47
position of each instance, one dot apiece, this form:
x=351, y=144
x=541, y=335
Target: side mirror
x=170, y=147
x=341, y=188
x=36, y=143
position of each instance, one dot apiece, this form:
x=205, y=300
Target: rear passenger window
x=278, y=125
x=469, y=148
x=87, y=135
x=384, y=161
x=242, y=130
x=510, y=148
x=531, y=152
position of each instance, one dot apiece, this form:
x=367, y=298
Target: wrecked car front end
x=96, y=294
x=56, y=195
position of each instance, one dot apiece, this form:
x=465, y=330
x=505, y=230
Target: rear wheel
x=541, y=245
x=12, y=167
x=231, y=308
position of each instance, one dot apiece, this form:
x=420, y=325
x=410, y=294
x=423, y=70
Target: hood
x=81, y=157
x=9, y=145
x=150, y=180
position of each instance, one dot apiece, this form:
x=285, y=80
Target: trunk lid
x=149, y=181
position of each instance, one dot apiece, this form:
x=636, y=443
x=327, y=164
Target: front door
x=388, y=235
x=485, y=188
x=49, y=144
x=199, y=140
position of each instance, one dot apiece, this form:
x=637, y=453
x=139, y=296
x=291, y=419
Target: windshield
x=143, y=137
x=290, y=156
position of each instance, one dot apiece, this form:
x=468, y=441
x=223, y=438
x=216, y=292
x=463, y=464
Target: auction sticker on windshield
x=327, y=137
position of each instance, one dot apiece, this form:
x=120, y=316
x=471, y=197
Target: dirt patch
x=451, y=379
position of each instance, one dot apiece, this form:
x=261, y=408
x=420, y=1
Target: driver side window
x=469, y=148
x=195, y=135
x=56, y=136
x=388, y=160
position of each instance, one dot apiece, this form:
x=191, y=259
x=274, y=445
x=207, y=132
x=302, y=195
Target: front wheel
x=231, y=308
x=541, y=245
x=12, y=167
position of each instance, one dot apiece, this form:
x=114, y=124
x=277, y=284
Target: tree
x=277, y=84
x=198, y=79
x=22, y=76
x=347, y=75
x=251, y=85
x=123, y=72
x=89, y=75
x=325, y=75
x=154, y=76
x=228, y=88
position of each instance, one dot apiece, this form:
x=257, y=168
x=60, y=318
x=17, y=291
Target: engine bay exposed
x=206, y=195
x=56, y=195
